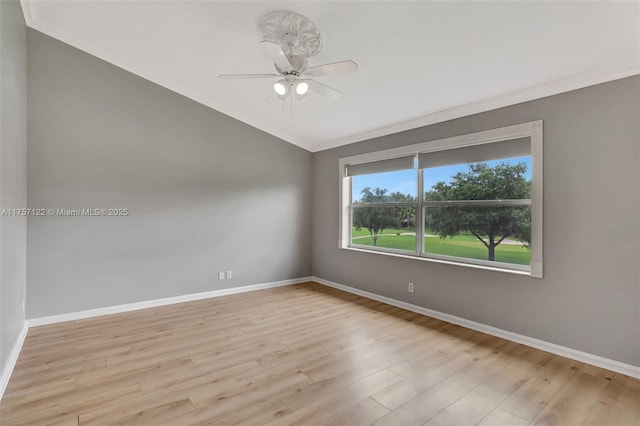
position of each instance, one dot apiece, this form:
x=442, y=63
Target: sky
x=405, y=181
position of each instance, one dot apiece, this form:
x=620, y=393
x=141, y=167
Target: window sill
x=445, y=262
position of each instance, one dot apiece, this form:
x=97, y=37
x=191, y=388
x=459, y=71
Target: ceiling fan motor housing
x=298, y=63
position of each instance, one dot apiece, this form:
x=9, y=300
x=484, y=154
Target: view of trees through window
x=475, y=211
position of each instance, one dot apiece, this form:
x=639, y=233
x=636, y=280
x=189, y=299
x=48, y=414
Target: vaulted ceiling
x=419, y=62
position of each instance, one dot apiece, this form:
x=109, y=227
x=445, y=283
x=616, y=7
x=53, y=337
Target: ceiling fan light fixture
x=302, y=87
x=281, y=87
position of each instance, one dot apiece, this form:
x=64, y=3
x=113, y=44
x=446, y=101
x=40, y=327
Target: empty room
x=319, y=213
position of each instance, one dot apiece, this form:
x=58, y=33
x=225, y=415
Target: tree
x=405, y=216
x=489, y=224
x=377, y=219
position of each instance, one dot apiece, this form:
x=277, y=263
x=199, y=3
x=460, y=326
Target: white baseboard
x=72, y=316
x=598, y=361
x=13, y=358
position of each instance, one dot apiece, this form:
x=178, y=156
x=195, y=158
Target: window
x=383, y=204
x=474, y=200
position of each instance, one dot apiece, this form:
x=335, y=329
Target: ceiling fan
x=290, y=39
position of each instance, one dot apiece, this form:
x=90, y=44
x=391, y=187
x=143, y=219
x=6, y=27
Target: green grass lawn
x=461, y=246
x=470, y=247
x=365, y=231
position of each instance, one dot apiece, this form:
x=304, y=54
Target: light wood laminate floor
x=304, y=354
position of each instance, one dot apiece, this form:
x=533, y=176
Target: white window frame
x=532, y=130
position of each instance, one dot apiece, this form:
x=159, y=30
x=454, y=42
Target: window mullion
x=506, y=202
x=420, y=213
x=354, y=206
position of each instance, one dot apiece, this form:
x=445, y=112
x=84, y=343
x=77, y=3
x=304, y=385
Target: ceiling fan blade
x=230, y=76
x=335, y=68
x=323, y=90
x=275, y=52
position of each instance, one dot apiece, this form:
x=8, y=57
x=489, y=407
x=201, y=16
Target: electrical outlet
x=221, y=275
x=410, y=288
x=228, y=275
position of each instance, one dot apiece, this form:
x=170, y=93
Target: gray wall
x=13, y=174
x=206, y=193
x=589, y=298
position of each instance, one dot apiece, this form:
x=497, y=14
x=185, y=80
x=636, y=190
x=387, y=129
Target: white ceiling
x=420, y=62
